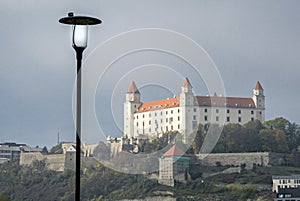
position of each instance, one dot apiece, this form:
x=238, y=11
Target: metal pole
x=79, y=52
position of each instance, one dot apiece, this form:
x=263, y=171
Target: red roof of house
x=258, y=86
x=158, y=105
x=133, y=88
x=174, y=151
x=219, y=101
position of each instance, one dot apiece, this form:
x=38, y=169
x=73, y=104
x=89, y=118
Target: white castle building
x=185, y=112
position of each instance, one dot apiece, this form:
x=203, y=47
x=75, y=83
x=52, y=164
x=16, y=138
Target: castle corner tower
x=187, y=102
x=259, y=100
x=131, y=105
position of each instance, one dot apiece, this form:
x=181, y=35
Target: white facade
x=292, y=181
x=183, y=114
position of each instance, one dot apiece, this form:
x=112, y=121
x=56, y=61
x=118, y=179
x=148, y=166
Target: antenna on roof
x=58, y=138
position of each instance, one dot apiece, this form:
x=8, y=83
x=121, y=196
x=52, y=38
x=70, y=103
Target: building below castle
x=10, y=151
x=184, y=113
x=173, y=166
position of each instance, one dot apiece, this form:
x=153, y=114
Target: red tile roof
x=174, y=151
x=186, y=82
x=258, y=86
x=133, y=88
x=219, y=101
x=158, y=105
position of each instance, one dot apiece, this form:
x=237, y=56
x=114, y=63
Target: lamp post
x=79, y=40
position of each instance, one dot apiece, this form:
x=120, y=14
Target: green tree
x=279, y=123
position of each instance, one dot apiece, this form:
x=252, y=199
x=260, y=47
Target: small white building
x=291, y=181
x=185, y=112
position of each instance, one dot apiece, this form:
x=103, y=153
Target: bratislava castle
x=185, y=112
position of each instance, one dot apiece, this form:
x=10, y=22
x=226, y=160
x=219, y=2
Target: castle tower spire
x=186, y=83
x=258, y=90
x=186, y=86
x=133, y=88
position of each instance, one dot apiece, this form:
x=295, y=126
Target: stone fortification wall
x=53, y=161
x=28, y=158
x=236, y=159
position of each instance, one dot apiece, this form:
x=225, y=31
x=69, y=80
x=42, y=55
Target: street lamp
x=79, y=42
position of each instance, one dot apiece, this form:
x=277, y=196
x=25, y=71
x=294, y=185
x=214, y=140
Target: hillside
x=101, y=183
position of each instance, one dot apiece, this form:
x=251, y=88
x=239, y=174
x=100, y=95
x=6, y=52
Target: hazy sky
x=247, y=40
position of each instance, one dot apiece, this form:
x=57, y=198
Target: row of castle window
x=217, y=118
x=170, y=120
x=195, y=110
x=166, y=128
x=155, y=114
x=228, y=111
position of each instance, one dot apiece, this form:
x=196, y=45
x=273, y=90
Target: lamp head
x=80, y=28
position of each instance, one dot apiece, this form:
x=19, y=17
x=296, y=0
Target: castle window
x=171, y=111
x=149, y=130
x=155, y=114
x=239, y=111
x=205, y=110
x=166, y=112
x=178, y=118
x=150, y=122
x=178, y=126
x=228, y=119
x=134, y=106
x=171, y=127
x=252, y=119
x=205, y=118
x=161, y=120
x=137, y=116
x=160, y=113
x=171, y=119
x=195, y=110
x=137, y=123
x=167, y=128
x=228, y=111
x=217, y=118
x=240, y=119
x=260, y=112
x=143, y=116
x=217, y=110
x=178, y=110
x=252, y=112
x=194, y=117
x=167, y=120
x=143, y=124
x=149, y=114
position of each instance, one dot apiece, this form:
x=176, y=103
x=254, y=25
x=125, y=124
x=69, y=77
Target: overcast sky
x=247, y=40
